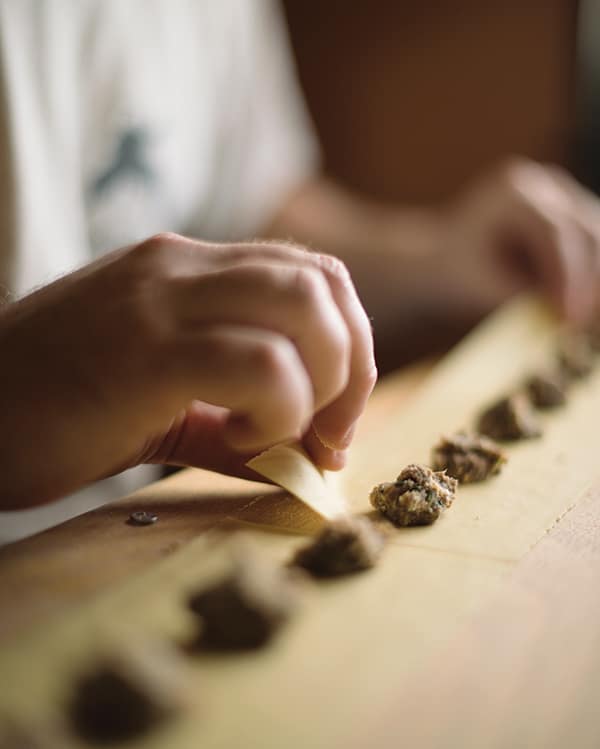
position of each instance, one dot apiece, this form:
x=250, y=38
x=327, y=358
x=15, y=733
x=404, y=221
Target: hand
x=182, y=352
x=520, y=224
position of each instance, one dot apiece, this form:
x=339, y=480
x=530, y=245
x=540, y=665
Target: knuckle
x=511, y=170
x=369, y=377
x=271, y=359
x=155, y=249
x=154, y=243
x=334, y=267
x=147, y=255
x=522, y=182
x=538, y=187
x=307, y=286
x=164, y=238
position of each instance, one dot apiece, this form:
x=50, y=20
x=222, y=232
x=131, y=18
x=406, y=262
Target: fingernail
x=340, y=443
x=345, y=441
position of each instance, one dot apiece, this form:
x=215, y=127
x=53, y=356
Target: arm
x=426, y=275
x=183, y=352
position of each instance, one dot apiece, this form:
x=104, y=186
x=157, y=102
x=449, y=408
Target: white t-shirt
x=122, y=118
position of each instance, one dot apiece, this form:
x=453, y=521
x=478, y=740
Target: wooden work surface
x=479, y=631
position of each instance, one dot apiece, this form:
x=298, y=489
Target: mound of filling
x=417, y=497
x=246, y=608
x=547, y=389
x=468, y=457
x=126, y=694
x=511, y=418
x=344, y=546
x=575, y=356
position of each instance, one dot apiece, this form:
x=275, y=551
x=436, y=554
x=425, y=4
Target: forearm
x=426, y=275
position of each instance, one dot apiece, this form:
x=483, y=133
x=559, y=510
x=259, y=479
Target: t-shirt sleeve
x=266, y=145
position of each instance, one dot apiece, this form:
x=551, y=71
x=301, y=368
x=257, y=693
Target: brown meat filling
x=127, y=694
x=468, y=457
x=547, y=390
x=417, y=497
x=575, y=356
x=247, y=608
x=344, y=546
x=511, y=418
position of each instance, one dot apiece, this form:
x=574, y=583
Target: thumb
x=196, y=439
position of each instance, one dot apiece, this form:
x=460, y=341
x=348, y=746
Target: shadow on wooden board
x=99, y=548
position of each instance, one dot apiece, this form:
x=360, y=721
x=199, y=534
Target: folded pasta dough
x=290, y=467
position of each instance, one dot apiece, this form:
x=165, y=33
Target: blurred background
x=412, y=98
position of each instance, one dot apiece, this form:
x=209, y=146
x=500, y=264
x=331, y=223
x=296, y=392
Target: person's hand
x=522, y=223
x=182, y=352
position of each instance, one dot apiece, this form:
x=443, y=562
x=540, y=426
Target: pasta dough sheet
x=290, y=467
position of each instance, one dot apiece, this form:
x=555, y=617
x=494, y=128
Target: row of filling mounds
x=419, y=495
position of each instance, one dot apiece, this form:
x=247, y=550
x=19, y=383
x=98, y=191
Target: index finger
x=563, y=250
x=334, y=423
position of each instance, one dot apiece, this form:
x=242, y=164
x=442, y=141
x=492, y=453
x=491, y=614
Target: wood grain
x=478, y=631
x=59, y=568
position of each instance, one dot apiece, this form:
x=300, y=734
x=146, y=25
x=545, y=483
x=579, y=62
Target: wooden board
x=524, y=670
x=43, y=576
x=362, y=659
